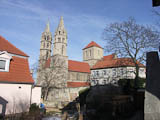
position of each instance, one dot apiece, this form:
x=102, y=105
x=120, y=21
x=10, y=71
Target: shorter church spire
x=47, y=29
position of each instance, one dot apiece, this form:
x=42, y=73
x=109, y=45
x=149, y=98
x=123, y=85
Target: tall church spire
x=61, y=23
x=60, y=40
x=46, y=44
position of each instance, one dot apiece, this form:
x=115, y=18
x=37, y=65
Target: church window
x=86, y=53
x=43, y=45
x=63, y=40
x=78, y=76
x=59, y=32
x=62, y=49
x=47, y=45
x=59, y=39
x=47, y=55
x=48, y=37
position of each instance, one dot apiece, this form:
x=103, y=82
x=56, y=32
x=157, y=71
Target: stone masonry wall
x=152, y=93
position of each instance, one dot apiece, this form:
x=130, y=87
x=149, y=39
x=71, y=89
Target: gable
x=92, y=44
x=10, y=48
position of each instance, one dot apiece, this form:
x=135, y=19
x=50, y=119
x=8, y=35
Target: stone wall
x=78, y=76
x=152, y=93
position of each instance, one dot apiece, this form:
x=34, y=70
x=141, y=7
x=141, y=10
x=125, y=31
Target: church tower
x=92, y=53
x=46, y=44
x=60, y=40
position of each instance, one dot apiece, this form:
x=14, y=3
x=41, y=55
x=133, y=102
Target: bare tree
x=156, y=13
x=129, y=39
x=52, y=76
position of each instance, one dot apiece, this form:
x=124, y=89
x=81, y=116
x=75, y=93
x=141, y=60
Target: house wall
x=36, y=95
x=112, y=75
x=17, y=95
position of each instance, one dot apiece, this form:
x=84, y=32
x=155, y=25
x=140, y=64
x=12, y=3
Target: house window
x=104, y=82
x=97, y=73
x=141, y=70
x=2, y=64
x=114, y=74
x=104, y=72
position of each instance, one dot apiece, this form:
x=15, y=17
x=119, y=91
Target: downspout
x=32, y=86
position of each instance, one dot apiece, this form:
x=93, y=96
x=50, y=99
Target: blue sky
x=23, y=21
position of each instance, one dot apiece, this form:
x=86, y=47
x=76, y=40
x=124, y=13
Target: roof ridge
x=23, y=54
x=78, y=61
x=91, y=44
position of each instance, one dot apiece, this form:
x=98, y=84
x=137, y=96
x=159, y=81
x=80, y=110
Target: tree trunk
x=46, y=93
x=136, y=77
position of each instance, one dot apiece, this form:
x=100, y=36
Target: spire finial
x=47, y=26
x=61, y=23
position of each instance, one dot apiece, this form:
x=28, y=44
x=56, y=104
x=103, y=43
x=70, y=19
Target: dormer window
x=2, y=64
x=4, y=61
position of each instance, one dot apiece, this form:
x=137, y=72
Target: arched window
x=47, y=45
x=63, y=40
x=62, y=49
x=86, y=54
x=59, y=39
x=47, y=55
x=43, y=45
x=48, y=37
x=59, y=32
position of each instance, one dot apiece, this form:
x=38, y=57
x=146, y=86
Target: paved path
x=51, y=118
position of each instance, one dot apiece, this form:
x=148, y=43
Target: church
x=66, y=77
x=62, y=79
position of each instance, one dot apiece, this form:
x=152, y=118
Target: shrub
x=34, y=108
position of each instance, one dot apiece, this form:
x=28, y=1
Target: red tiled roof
x=78, y=66
x=91, y=44
x=78, y=84
x=109, y=57
x=7, y=46
x=18, y=72
x=118, y=62
x=75, y=66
